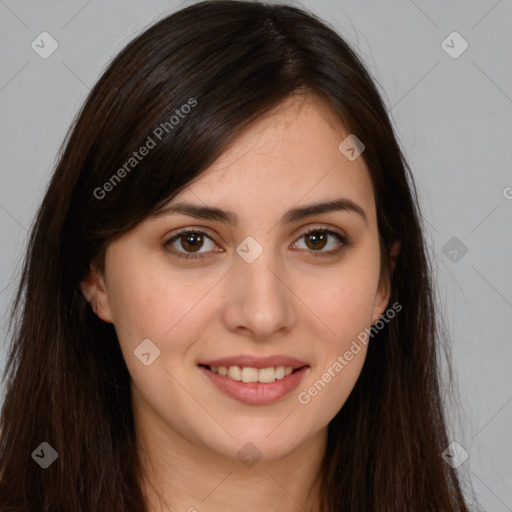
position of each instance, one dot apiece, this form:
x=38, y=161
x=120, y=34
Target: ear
x=384, y=291
x=95, y=292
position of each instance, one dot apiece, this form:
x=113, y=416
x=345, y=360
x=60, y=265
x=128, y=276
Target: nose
x=258, y=299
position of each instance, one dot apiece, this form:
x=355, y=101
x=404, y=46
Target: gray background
x=452, y=115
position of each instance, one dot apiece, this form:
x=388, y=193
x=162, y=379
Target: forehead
x=289, y=156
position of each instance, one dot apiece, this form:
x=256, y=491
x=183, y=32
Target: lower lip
x=256, y=393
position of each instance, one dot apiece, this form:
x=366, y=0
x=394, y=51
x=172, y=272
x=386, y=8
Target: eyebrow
x=293, y=215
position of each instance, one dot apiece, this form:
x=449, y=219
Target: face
x=193, y=295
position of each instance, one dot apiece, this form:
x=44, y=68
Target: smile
x=249, y=374
x=255, y=386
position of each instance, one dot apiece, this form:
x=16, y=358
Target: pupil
x=194, y=244
x=317, y=237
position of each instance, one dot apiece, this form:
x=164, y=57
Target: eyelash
x=345, y=242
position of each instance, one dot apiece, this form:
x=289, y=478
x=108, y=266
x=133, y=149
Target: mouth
x=250, y=374
x=255, y=386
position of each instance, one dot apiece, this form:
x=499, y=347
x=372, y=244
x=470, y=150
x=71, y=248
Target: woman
x=226, y=302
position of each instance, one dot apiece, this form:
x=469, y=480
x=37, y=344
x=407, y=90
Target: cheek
x=339, y=363
x=342, y=300
x=148, y=301
x=170, y=309
x=329, y=390
x=341, y=351
x=136, y=303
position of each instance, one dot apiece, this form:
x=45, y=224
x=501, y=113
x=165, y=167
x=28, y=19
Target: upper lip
x=256, y=361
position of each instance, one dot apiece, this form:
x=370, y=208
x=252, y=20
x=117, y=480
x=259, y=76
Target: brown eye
x=188, y=244
x=316, y=240
x=191, y=241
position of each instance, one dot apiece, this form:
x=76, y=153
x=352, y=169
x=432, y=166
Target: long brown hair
x=67, y=382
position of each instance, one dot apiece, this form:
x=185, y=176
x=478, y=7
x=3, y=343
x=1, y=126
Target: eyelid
x=321, y=227
x=299, y=232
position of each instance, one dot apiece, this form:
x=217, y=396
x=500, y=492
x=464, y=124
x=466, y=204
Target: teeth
x=263, y=375
x=248, y=374
x=235, y=372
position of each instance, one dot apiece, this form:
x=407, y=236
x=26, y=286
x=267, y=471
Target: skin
x=312, y=308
